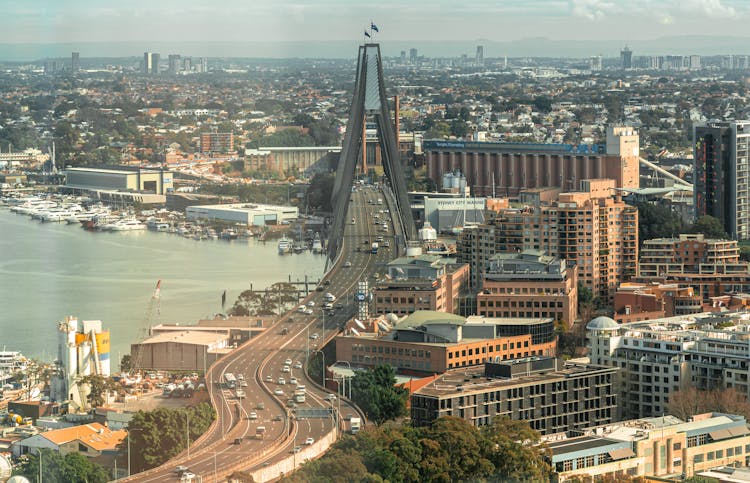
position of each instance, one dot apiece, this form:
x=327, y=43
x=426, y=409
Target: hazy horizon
x=346, y=49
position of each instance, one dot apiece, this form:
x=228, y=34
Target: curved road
x=215, y=454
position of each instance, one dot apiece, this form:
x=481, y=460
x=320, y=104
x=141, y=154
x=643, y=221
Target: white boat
x=285, y=245
x=127, y=225
x=317, y=246
x=32, y=206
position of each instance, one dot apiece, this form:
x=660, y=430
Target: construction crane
x=152, y=310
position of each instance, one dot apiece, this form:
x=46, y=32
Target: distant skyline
x=73, y=21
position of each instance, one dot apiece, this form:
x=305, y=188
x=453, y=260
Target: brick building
x=591, y=229
x=529, y=284
x=425, y=282
x=429, y=342
x=217, y=142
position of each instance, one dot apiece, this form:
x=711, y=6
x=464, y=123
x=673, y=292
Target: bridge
x=230, y=445
x=369, y=100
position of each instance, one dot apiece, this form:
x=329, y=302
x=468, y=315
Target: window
x=698, y=458
x=677, y=446
x=710, y=456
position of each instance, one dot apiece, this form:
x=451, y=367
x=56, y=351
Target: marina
x=50, y=270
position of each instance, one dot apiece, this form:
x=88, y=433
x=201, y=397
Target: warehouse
x=245, y=213
x=138, y=180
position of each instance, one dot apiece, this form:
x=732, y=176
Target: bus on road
x=230, y=380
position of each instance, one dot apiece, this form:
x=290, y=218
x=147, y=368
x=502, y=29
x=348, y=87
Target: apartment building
x=425, y=282
x=429, y=342
x=722, y=174
x=689, y=253
x=660, y=356
x=217, y=142
x=665, y=447
x=591, y=229
x=711, y=267
x=529, y=284
x=552, y=397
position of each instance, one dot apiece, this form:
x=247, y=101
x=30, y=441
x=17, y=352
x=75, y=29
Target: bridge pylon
x=369, y=101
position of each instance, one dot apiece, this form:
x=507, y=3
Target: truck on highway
x=374, y=248
x=352, y=424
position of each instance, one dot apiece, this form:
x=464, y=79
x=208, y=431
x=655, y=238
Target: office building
x=428, y=341
x=665, y=447
x=504, y=169
x=552, y=399
x=626, y=58
x=135, y=180
x=660, y=356
x=448, y=215
x=695, y=62
x=529, y=284
x=174, y=66
x=217, y=142
x=595, y=63
x=75, y=62
x=151, y=63
x=425, y=282
x=479, y=57
x=413, y=56
x=722, y=174
x=596, y=232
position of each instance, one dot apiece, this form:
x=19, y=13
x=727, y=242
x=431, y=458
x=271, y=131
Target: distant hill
x=531, y=47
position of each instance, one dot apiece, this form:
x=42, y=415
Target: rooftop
x=95, y=435
x=187, y=337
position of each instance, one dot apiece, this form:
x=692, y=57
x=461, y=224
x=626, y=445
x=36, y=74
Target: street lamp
x=128, y=436
x=344, y=377
x=39, y=450
x=324, y=365
x=187, y=432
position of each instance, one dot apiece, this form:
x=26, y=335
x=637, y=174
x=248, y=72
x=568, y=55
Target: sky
x=53, y=21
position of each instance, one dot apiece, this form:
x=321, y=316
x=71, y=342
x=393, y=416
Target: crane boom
x=153, y=309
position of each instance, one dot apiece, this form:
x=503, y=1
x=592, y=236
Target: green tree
x=710, y=226
x=99, y=386
x=375, y=392
x=73, y=468
x=657, y=221
x=462, y=448
x=160, y=434
x=513, y=449
x=126, y=363
x=318, y=195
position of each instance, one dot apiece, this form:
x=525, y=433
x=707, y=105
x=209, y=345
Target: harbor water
x=50, y=270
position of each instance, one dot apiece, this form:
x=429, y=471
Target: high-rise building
x=174, y=64
x=595, y=62
x=626, y=58
x=722, y=174
x=217, y=142
x=151, y=63
x=413, y=55
x=403, y=56
x=75, y=62
x=480, y=55
x=695, y=62
x=591, y=229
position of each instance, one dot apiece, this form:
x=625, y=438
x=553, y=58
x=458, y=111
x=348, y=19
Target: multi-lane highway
x=232, y=443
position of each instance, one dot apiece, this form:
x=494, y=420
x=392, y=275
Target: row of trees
x=161, y=434
x=450, y=449
x=658, y=221
x=72, y=467
x=276, y=299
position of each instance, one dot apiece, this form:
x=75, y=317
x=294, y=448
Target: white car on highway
x=279, y=392
x=309, y=441
x=288, y=362
x=311, y=303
